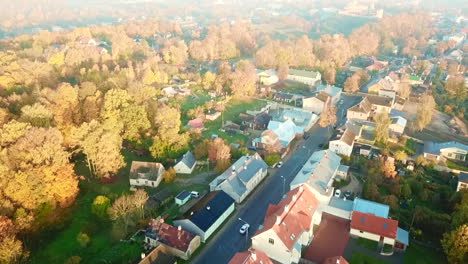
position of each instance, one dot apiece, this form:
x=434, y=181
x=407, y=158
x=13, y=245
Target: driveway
x=396, y=258
x=355, y=186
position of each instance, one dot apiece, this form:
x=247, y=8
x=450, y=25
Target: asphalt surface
x=227, y=240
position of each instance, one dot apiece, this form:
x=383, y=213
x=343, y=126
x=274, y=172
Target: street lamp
x=284, y=182
x=247, y=231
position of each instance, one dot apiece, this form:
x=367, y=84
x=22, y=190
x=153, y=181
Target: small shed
x=182, y=197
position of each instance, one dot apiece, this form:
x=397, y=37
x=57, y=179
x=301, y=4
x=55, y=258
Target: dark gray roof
x=188, y=159
x=463, y=177
x=435, y=147
x=204, y=217
x=183, y=195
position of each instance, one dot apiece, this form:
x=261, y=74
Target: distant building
x=159, y=255
x=179, y=243
x=267, y=77
x=278, y=135
x=241, y=178
x=398, y=125
x=343, y=143
x=333, y=91
x=288, y=226
x=183, y=197
x=462, y=181
x=450, y=150
x=370, y=106
x=251, y=256
x=196, y=123
x=306, y=77
x=212, y=114
x=146, y=173
x=186, y=163
x=206, y=216
x=342, y=172
x=317, y=103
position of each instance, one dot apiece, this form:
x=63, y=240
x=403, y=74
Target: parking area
x=331, y=239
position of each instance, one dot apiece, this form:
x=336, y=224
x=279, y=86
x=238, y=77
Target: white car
x=338, y=193
x=244, y=228
x=279, y=165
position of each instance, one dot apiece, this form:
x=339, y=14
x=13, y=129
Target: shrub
x=100, y=206
x=83, y=239
x=272, y=159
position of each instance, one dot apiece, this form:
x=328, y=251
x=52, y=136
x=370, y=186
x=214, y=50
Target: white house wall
x=278, y=251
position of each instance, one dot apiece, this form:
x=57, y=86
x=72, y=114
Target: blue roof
x=331, y=90
x=205, y=218
x=286, y=131
x=399, y=121
x=402, y=236
x=435, y=147
x=188, y=159
x=183, y=195
x=369, y=207
x=394, y=113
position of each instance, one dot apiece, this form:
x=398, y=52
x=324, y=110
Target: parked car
x=347, y=194
x=244, y=228
x=279, y=165
x=338, y=193
x=194, y=194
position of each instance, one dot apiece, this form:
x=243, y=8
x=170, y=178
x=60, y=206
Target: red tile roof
x=196, y=123
x=251, y=256
x=172, y=236
x=374, y=224
x=335, y=260
x=292, y=216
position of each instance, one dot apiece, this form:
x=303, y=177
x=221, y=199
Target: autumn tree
x=11, y=248
x=382, y=124
x=351, y=84
x=100, y=206
x=208, y=80
x=455, y=244
x=328, y=116
x=329, y=75
x=243, y=79
x=169, y=175
x=424, y=111
x=388, y=169
x=400, y=155
x=456, y=88
x=101, y=146
x=121, y=210
x=219, y=150
x=404, y=89
x=201, y=149
x=37, y=115
x=140, y=197
x=283, y=72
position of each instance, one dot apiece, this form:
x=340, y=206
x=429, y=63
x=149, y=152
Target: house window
x=271, y=241
x=450, y=154
x=362, y=232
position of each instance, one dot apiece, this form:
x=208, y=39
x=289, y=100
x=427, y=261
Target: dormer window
x=271, y=241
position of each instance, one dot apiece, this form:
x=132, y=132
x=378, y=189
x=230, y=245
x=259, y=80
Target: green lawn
x=416, y=254
x=297, y=88
x=191, y=102
x=360, y=258
x=366, y=243
x=232, y=114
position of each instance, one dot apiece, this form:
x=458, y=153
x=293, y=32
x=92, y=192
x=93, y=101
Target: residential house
x=207, y=215
x=377, y=65
x=196, y=123
x=462, y=181
x=185, y=164
x=306, y=77
x=286, y=97
x=287, y=227
x=88, y=41
x=343, y=142
x=183, y=197
x=278, y=135
x=318, y=172
x=374, y=227
x=301, y=118
x=159, y=255
x=267, y=77
x=243, y=176
x=382, y=84
x=388, y=93
x=212, y=114
x=450, y=150
x=397, y=126
x=318, y=103
x=146, y=173
x=251, y=256
x=360, y=111
x=179, y=242
x=365, y=150
x=370, y=207
x=333, y=91
x=457, y=38
x=342, y=172
x=258, y=122
x=380, y=103
x=415, y=80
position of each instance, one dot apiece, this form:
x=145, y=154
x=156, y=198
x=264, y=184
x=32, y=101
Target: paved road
x=227, y=241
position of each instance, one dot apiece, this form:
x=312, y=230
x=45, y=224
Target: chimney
x=286, y=208
x=179, y=228
x=161, y=220
x=191, y=213
x=245, y=167
x=338, y=261
x=233, y=168
x=254, y=256
x=294, y=197
x=278, y=220
x=208, y=208
x=143, y=255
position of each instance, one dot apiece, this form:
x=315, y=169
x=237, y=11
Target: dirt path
x=355, y=186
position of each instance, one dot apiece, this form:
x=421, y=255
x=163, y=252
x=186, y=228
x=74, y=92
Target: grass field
x=366, y=243
x=360, y=258
x=232, y=114
x=416, y=254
